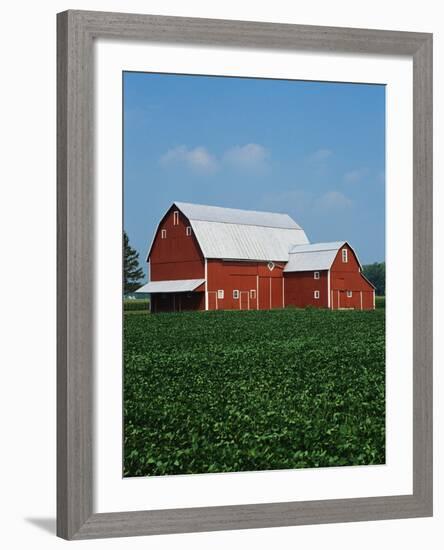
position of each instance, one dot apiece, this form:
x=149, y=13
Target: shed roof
x=182, y=285
x=229, y=233
x=314, y=257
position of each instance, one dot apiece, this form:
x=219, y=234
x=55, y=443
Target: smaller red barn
x=327, y=275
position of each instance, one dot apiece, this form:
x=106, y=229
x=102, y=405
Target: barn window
x=236, y=294
x=163, y=234
x=344, y=255
x=220, y=294
x=316, y=274
x=316, y=294
x=176, y=217
x=270, y=266
x=253, y=294
x=349, y=293
x=188, y=230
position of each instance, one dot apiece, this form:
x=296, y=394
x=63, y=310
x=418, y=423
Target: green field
x=253, y=390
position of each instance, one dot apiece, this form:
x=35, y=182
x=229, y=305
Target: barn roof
x=182, y=285
x=229, y=233
x=314, y=257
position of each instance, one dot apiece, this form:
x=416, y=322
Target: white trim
x=344, y=252
x=255, y=294
x=349, y=293
x=329, y=296
x=188, y=231
x=257, y=291
x=283, y=291
x=163, y=233
x=175, y=217
x=316, y=275
x=316, y=295
x=339, y=299
x=247, y=292
x=220, y=294
x=215, y=295
x=237, y=294
x=206, y=285
x=360, y=292
x=374, y=299
x=270, y=292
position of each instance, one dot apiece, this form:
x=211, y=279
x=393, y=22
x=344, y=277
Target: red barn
x=207, y=257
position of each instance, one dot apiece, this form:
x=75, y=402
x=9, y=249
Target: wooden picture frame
x=77, y=31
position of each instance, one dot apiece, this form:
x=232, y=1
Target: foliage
x=375, y=273
x=132, y=272
x=380, y=302
x=228, y=391
x=136, y=305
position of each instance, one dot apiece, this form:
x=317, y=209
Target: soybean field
x=230, y=391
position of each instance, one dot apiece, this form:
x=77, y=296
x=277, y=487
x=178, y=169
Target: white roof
x=181, y=285
x=200, y=212
x=228, y=233
x=313, y=257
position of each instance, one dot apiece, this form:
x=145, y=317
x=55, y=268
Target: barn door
x=212, y=300
x=244, y=299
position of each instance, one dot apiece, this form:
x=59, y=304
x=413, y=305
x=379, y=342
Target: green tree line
x=375, y=273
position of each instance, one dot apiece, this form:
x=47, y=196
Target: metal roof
x=228, y=233
x=200, y=212
x=245, y=242
x=313, y=257
x=182, y=285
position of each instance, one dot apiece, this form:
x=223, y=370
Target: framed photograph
x=244, y=275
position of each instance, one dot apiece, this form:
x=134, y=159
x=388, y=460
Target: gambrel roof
x=233, y=234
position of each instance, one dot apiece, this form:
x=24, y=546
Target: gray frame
x=76, y=32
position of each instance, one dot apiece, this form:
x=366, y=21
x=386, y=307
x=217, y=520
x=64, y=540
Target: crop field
x=229, y=391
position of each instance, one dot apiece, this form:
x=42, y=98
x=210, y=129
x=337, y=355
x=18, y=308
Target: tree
x=375, y=273
x=132, y=272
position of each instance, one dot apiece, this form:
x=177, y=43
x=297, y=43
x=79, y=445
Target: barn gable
x=315, y=257
x=233, y=234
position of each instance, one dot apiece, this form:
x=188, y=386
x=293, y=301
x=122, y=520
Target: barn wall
x=347, y=276
x=178, y=256
x=259, y=287
x=300, y=287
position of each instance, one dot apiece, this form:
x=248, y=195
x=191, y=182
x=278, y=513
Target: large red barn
x=207, y=258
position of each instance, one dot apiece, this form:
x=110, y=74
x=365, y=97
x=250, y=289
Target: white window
x=220, y=294
x=344, y=255
x=176, y=217
x=349, y=293
x=316, y=294
x=188, y=230
x=253, y=294
x=270, y=266
x=163, y=234
x=316, y=274
x=235, y=294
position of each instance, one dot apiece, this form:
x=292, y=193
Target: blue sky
x=314, y=150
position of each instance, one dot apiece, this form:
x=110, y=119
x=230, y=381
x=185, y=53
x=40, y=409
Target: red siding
x=253, y=280
x=347, y=276
x=300, y=287
x=178, y=256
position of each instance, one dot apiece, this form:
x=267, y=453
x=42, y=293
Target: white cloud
x=250, y=156
x=332, y=200
x=320, y=155
x=355, y=176
x=198, y=159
